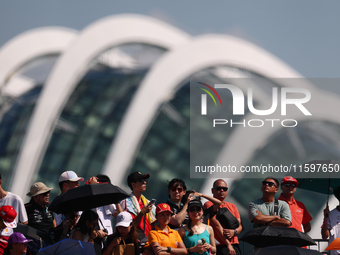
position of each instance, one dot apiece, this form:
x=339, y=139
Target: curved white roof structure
x=70, y=68
x=30, y=45
x=170, y=71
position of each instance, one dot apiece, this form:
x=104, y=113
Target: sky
x=305, y=34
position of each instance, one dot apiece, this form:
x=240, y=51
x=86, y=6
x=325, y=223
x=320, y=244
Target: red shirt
x=300, y=215
x=233, y=209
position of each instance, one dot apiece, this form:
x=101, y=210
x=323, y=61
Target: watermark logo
x=204, y=97
x=238, y=99
x=281, y=97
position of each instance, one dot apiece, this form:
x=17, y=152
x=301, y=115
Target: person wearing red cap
x=163, y=239
x=300, y=215
x=141, y=210
x=9, y=198
x=7, y=222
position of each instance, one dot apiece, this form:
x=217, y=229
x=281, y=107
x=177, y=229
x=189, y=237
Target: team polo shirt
x=300, y=215
x=170, y=239
x=39, y=217
x=233, y=209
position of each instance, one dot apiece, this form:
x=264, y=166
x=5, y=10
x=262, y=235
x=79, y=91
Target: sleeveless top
x=190, y=241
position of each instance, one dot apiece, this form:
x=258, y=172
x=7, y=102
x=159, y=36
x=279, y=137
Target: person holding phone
x=140, y=208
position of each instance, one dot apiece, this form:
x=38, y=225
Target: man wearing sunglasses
x=300, y=215
x=263, y=210
x=38, y=215
x=142, y=211
x=227, y=238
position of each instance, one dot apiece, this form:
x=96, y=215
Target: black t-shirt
x=176, y=209
x=39, y=217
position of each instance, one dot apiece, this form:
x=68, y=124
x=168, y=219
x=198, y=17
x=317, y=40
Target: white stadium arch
x=30, y=45
x=71, y=66
x=175, y=66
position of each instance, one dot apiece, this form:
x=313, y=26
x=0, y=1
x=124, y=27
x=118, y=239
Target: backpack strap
x=276, y=206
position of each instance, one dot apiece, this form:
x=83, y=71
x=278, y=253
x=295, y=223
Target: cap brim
x=28, y=241
x=38, y=193
x=147, y=176
x=165, y=211
x=10, y=224
x=123, y=224
x=79, y=179
x=296, y=183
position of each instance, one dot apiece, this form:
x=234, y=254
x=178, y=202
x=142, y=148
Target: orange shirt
x=233, y=209
x=170, y=239
x=300, y=215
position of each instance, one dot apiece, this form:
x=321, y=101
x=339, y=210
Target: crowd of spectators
x=181, y=225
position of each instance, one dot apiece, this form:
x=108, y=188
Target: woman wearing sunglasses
x=197, y=236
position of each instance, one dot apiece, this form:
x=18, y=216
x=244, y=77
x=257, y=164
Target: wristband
x=235, y=233
x=168, y=249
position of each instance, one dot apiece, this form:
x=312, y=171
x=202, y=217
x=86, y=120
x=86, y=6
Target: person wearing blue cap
x=17, y=244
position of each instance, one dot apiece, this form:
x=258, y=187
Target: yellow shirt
x=170, y=239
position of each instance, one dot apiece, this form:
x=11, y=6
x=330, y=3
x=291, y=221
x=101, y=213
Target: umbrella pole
x=329, y=185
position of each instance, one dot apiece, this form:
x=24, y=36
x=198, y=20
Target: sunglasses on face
x=293, y=185
x=142, y=180
x=178, y=189
x=195, y=209
x=221, y=188
x=45, y=194
x=270, y=184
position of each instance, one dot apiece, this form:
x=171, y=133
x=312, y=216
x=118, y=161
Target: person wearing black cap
x=198, y=237
x=142, y=212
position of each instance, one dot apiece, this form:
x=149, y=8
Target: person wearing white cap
x=37, y=211
x=67, y=180
x=124, y=240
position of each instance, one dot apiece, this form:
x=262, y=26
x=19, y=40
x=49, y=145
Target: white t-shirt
x=18, y=205
x=105, y=214
x=334, y=227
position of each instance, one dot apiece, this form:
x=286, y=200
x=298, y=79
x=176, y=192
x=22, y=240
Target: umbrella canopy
x=321, y=185
x=324, y=185
x=87, y=197
x=270, y=236
x=335, y=245
x=284, y=250
x=68, y=247
x=40, y=239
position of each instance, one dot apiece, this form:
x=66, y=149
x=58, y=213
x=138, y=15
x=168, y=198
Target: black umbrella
x=87, y=197
x=284, y=250
x=328, y=169
x=40, y=239
x=270, y=236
